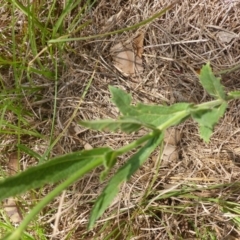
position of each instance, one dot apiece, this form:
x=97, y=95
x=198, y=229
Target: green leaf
x=205, y=133
x=24, y=236
x=234, y=94
x=207, y=119
x=211, y=83
x=50, y=172
x=157, y=115
x=44, y=72
x=148, y=115
x=121, y=99
x=135, y=26
x=69, y=6
x=123, y=174
x=7, y=62
x=126, y=125
x=29, y=14
x=13, y=129
x=29, y=151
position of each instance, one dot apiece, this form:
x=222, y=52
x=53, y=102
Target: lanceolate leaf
x=148, y=115
x=156, y=115
x=121, y=99
x=205, y=133
x=51, y=171
x=211, y=83
x=207, y=120
x=126, y=125
x=29, y=151
x=234, y=94
x=134, y=117
x=123, y=174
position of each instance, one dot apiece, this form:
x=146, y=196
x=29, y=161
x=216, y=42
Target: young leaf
x=148, y=115
x=29, y=151
x=123, y=174
x=211, y=83
x=156, y=115
x=121, y=99
x=50, y=172
x=126, y=125
x=207, y=119
x=234, y=94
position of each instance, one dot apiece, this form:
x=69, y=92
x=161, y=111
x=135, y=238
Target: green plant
x=48, y=30
x=155, y=118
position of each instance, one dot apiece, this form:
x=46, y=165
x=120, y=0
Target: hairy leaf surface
x=51, y=171
x=211, y=83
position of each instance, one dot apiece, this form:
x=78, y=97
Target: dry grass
x=176, y=46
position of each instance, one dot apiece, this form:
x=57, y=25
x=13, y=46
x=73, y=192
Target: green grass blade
x=29, y=151
x=44, y=72
x=69, y=6
x=50, y=12
x=8, y=62
x=123, y=174
x=3, y=111
x=76, y=24
x=16, y=130
x=26, y=11
x=49, y=172
x=211, y=83
x=43, y=158
x=135, y=26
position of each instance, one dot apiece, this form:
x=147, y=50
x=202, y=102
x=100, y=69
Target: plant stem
x=209, y=105
x=176, y=118
x=136, y=143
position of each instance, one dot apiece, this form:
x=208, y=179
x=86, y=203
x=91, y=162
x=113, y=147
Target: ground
x=194, y=195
